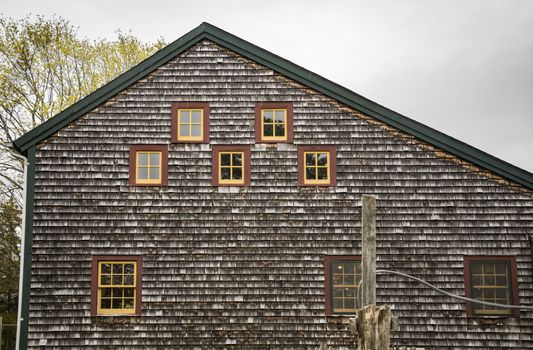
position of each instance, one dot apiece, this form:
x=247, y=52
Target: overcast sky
x=464, y=67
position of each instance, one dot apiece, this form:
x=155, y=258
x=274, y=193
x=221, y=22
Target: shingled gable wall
x=242, y=268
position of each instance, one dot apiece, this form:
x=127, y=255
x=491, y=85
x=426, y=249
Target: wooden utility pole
x=373, y=324
x=368, y=226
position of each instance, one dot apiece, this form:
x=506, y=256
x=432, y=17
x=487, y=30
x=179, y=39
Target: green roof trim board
x=288, y=69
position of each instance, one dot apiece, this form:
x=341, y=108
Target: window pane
x=128, y=292
x=196, y=130
x=105, y=303
x=310, y=173
x=349, y=279
x=117, y=268
x=117, y=292
x=225, y=173
x=128, y=303
x=142, y=173
x=501, y=268
x=338, y=268
x=310, y=159
x=280, y=130
x=237, y=159
x=337, y=292
x=129, y=268
x=280, y=116
x=105, y=280
x=105, y=268
x=322, y=173
x=196, y=117
x=225, y=159
x=117, y=303
x=185, y=117
x=154, y=159
x=337, y=303
x=268, y=130
x=322, y=159
x=128, y=280
x=106, y=292
x=117, y=280
x=237, y=173
x=184, y=130
x=267, y=116
x=349, y=303
x=142, y=158
x=154, y=173
x=348, y=268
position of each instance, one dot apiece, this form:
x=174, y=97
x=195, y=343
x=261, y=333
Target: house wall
x=242, y=268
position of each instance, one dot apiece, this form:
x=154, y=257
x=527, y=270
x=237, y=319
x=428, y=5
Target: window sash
x=357, y=277
x=316, y=181
x=148, y=166
x=190, y=137
x=274, y=137
x=489, y=291
x=111, y=310
x=231, y=167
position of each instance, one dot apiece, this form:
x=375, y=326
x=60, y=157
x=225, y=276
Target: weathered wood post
x=368, y=227
x=373, y=323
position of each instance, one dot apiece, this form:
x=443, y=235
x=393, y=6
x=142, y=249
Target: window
x=116, y=285
x=148, y=165
x=190, y=122
x=342, y=276
x=231, y=165
x=273, y=122
x=491, y=279
x=317, y=166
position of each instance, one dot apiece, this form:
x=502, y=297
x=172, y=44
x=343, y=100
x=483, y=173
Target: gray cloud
x=462, y=67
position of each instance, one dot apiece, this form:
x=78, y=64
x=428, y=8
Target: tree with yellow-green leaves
x=45, y=66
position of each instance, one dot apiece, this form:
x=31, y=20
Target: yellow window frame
x=111, y=311
x=148, y=167
x=316, y=181
x=231, y=167
x=274, y=123
x=507, y=287
x=190, y=124
x=354, y=286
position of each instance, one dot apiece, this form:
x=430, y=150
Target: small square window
x=116, y=285
x=273, y=122
x=491, y=279
x=231, y=165
x=148, y=165
x=190, y=122
x=316, y=166
x=342, y=277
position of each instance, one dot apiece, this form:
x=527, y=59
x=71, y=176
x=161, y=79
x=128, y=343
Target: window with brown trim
x=342, y=276
x=190, y=122
x=148, y=165
x=273, y=122
x=491, y=279
x=317, y=166
x=116, y=285
x=231, y=165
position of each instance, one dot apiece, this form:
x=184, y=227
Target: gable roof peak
x=282, y=66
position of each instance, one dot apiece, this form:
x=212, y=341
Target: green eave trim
x=292, y=71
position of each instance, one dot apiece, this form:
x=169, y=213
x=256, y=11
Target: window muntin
x=274, y=124
x=148, y=166
x=117, y=287
x=316, y=167
x=345, y=277
x=190, y=124
x=231, y=167
x=491, y=281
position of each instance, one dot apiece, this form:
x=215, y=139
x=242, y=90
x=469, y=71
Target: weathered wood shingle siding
x=242, y=268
